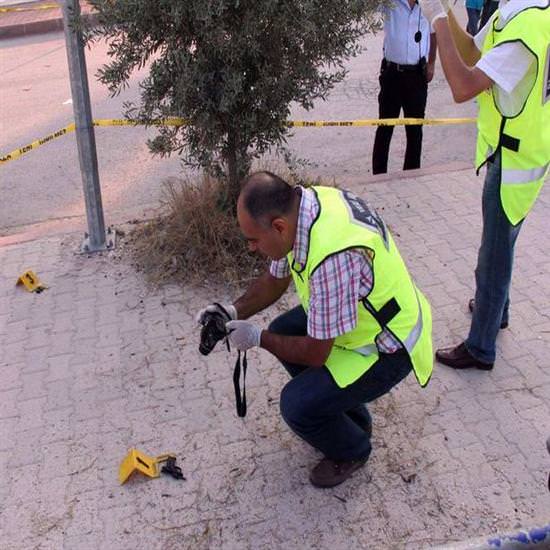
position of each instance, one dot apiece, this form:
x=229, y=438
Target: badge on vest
x=361, y=214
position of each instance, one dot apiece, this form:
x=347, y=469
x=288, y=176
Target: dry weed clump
x=194, y=239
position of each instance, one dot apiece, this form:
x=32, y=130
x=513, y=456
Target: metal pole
x=85, y=137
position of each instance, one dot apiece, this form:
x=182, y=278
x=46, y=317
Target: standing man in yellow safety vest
x=362, y=325
x=507, y=67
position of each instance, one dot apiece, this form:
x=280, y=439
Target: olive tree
x=230, y=68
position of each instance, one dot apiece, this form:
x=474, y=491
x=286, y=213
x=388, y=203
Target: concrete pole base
x=109, y=242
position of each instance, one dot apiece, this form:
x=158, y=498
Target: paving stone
x=11, y=376
x=33, y=386
x=54, y=471
x=538, y=417
x=38, y=337
x=57, y=424
x=13, y=353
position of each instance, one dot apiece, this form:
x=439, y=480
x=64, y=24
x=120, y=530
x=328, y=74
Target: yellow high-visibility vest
x=394, y=303
x=523, y=140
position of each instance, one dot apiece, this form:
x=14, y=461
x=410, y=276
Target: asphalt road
x=45, y=185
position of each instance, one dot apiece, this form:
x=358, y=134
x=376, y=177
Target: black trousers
x=489, y=7
x=407, y=90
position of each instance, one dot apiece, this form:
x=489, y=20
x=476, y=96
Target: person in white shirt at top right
x=506, y=66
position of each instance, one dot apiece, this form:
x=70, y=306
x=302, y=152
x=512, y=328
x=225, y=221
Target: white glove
x=434, y=9
x=213, y=308
x=243, y=335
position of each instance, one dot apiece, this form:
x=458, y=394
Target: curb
x=398, y=175
x=34, y=27
x=443, y=168
x=54, y=24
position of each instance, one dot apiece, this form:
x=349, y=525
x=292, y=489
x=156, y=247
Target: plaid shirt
x=336, y=287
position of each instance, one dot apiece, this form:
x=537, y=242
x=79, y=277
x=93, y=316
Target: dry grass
x=193, y=240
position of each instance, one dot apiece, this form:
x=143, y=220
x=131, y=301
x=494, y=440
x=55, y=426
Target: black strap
x=509, y=142
x=387, y=312
x=226, y=313
x=240, y=401
x=223, y=310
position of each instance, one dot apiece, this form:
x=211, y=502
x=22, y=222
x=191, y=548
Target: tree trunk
x=233, y=186
x=237, y=168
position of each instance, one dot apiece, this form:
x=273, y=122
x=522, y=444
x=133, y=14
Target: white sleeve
x=479, y=38
x=506, y=64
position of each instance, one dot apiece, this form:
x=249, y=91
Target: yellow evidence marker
x=136, y=461
x=31, y=282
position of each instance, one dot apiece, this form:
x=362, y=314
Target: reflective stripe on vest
x=371, y=349
x=513, y=176
x=410, y=341
x=416, y=331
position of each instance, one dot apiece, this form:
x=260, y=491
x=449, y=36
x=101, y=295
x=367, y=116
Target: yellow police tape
x=379, y=122
x=173, y=121
x=31, y=8
x=35, y=144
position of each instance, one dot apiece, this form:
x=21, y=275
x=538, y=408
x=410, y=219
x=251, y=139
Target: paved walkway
x=99, y=363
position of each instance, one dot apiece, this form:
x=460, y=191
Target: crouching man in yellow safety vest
x=506, y=66
x=362, y=325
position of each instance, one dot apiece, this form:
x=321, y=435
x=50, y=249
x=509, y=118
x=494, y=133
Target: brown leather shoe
x=329, y=473
x=459, y=358
x=472, y=303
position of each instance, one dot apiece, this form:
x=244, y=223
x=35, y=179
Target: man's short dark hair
x=267, y=196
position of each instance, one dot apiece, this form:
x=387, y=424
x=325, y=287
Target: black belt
x=402, y=68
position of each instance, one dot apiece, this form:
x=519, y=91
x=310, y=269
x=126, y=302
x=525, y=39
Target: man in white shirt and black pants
x=407, y=67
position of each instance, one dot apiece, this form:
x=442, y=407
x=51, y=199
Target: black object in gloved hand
x=213, y=329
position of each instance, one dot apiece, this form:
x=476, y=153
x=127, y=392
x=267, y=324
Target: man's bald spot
x=266, y=196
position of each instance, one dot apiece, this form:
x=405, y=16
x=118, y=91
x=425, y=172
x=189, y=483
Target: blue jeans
x=493, y=271
x=334, y=420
